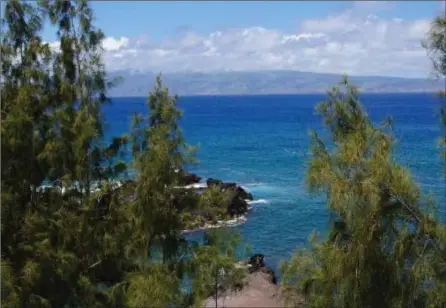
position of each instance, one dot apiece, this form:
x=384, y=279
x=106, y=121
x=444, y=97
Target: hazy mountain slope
x=263, y=82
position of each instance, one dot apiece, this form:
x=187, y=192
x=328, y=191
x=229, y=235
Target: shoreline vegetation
x=229, y=211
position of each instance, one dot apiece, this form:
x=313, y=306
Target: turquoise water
x=261, y=142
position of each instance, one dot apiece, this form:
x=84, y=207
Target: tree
x=385, y=249
x=215, y=201
x=57, y=243
x=159, y=152
x=70, y=235
x=435, y=45
x=212, y=268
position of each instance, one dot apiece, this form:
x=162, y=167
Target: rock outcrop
x=188, y=178
x=244, y=194
x=187, y=198
x=257, y=264
x=260, y=288
x=213, y=182
x=232, y=186
x=238, y=204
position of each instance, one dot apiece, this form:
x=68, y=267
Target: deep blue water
x=262, y=143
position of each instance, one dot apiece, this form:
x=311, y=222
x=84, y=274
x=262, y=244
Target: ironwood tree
x=386, y=246
x=70, y=236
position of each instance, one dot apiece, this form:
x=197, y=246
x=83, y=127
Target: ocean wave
x=253, y=203
x=259, y=201
x=237, y=221
x=196, y=186
x=95, y=186
x=254, y=184
x=290, y=151
x=247, y=186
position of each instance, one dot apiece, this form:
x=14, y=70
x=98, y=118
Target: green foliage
x=156, y=286
x=435, y=45
x=386, y=249
x=213, y=265
x=69, y=236
x=50, y=127
x=159, y=152
x=214, y=201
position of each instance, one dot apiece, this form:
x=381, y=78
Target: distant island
x=137, y=83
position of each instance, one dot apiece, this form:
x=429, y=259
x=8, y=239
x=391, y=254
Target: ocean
x=262, y=143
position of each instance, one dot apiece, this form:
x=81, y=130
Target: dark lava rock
x=244, y=194
x=257, y=261
x=238, y=204
x=187, y=178
x=213, y=182
x=232, y=186
x=258, y=265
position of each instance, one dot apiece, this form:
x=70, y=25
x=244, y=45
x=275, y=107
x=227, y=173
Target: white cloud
x=54, y=46
x=419, y=28
x=112, y=44
x=356, y=41
x=297, y=37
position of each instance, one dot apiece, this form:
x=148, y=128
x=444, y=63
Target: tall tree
x=435, y=45
x=159, y=153
x=57, y=243
x=70, y=236
x=23, y=126
x=385, y=249
x=80, y=86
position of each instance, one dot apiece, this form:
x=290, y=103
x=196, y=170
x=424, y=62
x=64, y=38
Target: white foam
x=254, y=184
x=116, y=184
x=248, y=185
x=259, y=201
x=234, y=222
x=196, y=186
x=237, y=221
x=95, y=187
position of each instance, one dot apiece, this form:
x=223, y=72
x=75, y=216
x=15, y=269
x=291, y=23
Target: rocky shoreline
x=188, y=197
x=219, y=224
x=237, y=208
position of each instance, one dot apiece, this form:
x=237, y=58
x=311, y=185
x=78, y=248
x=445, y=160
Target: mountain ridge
x=138, y=83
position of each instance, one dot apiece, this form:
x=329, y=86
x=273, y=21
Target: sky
x=353, y=37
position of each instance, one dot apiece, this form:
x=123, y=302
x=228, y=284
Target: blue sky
x=161, y=18
x=355, y=37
